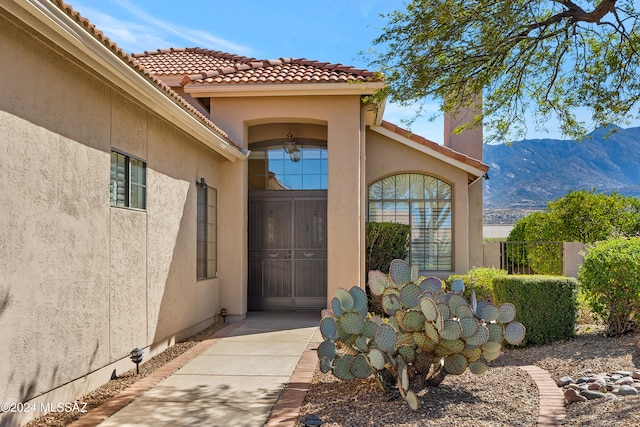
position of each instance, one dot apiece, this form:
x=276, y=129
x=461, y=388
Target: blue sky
x=332, y=30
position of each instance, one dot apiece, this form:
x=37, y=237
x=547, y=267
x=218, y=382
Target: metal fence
x=532, y=257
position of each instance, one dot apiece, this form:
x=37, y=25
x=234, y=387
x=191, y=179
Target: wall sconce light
x=291, y=147
x=203, y=183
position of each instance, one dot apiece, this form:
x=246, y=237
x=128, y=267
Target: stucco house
x=141, y=194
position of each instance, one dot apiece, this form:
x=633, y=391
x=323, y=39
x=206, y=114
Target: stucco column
x=232, y=244
x=343, y=205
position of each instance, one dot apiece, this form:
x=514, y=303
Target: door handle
x=309, y=254
x=288, y=254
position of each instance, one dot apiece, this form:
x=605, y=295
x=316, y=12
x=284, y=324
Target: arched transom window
x=423, y=202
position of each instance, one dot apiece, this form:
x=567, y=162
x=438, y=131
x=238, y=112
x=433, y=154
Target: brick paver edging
x=285, y=413
x=128, y=395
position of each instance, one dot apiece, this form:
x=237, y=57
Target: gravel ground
x=503, y=396
x=113, y=387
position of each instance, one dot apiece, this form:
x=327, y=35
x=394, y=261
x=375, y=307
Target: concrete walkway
x=235, y=380
x=252, y=373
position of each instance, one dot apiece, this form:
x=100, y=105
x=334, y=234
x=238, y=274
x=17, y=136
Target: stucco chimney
x=468, y=142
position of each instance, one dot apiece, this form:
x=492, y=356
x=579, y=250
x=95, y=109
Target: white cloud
x=147, y=32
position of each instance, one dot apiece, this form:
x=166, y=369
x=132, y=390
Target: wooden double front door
x=287, y=250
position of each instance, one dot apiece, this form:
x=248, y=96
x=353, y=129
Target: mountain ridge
x=527, y=174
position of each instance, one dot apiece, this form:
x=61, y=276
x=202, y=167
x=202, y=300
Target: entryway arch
x=288, y=180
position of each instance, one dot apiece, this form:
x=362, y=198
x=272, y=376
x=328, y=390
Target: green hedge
x=546, y=305
x=385, y=242
x=479, y=279
x=610, y=277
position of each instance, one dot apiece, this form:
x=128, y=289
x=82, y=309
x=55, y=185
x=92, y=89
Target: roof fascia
x=221, y=90
x=426, y=150
x=53, y=23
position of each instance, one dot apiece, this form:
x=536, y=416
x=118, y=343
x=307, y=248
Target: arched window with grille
x=424, y=203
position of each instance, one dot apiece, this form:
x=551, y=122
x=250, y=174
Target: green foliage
x=385, y=242
x=610, y=279
x=546, y=305
x=580, y=216
x=478, y=280
x=424, y=334
x=544, y=57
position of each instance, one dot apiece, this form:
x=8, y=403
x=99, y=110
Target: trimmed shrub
x=546, y=305
x=480, y=280
x=385, y=242
x=610, y=277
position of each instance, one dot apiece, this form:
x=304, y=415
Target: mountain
x=527, y=174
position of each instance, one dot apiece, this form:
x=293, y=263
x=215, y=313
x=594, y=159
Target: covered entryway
x=287, y=249
x=287, y=219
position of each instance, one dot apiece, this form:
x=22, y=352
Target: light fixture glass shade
x=291, y=148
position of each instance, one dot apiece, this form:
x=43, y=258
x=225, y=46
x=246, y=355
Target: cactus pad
x=489, y=313
x=361, y=343
x=410, y=295
x=445, y=311
x=327, y=349
x=453, y=346
x=464, y=310
x=336, y=307
x=451, y=330
x=325, y=365
x=329, y=328
x=408, y=353
x=478, y=367
x=413, y=321
x=369, y=329
x=479, y=338
x=359, y=300
x=455, y=364
x=429, y=309
x=386, y=337
x=457, y=287
x=376, y=359
x=431, y=331
x=412, y=400
x=345, y=298
x=351, y=323
x=399, y=272
x=496, y=332
x=472, y=354
x=432, y=284
x=377, y=282
x=507, y=312
x=456, y=301
x=491, y=350
x=469, y=326
x=342, y=367
x=360, y=367
x=390, y=303
x=514, y=333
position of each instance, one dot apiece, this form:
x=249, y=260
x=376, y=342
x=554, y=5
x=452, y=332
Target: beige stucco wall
x=340, y=115
x=85, y=283
x=387, y=157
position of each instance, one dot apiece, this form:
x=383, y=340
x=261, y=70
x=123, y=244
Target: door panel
x=287, y=250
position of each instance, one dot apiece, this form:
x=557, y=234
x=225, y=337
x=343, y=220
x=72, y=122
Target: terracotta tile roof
x=137, y=66
x=209, y=66
x=435, y=146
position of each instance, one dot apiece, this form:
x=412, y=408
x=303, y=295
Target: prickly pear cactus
x=426, y=334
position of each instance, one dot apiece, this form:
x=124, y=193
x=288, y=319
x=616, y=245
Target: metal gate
x=287, y=250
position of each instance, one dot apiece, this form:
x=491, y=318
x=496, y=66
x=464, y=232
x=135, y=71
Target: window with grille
x=423, y=202
x=128, y=185
x=207, y=234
